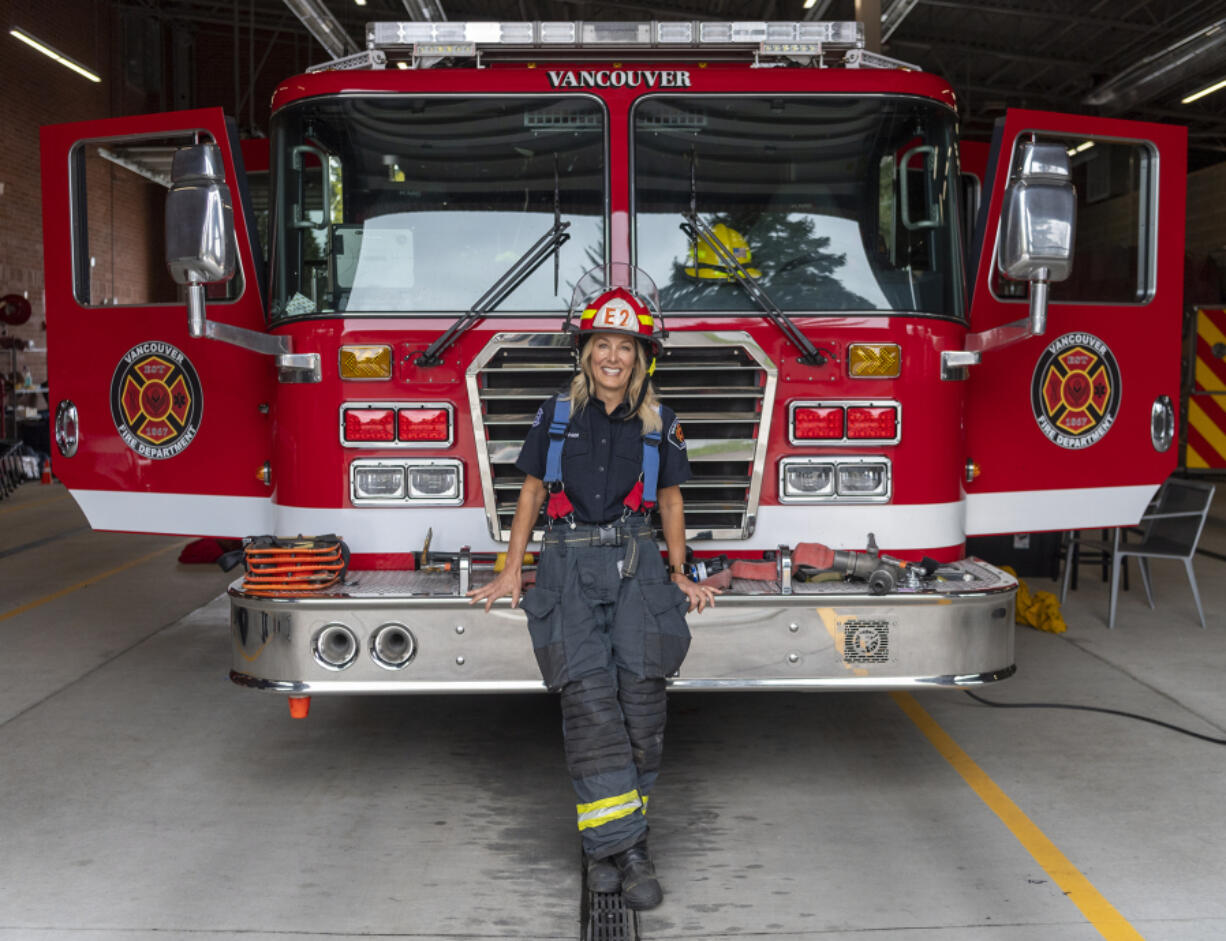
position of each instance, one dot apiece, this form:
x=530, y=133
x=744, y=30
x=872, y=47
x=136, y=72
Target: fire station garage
x=922, y=302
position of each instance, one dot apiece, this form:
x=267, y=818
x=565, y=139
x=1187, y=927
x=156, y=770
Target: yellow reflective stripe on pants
x=608, y=809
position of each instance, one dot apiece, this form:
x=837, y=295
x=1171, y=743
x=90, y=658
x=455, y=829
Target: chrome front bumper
x=821, y=636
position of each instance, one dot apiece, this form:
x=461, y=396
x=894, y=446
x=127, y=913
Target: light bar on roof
x=617, y=34
x=624, y=34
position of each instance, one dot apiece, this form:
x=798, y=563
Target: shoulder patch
x=540, y=415
x=675, y=435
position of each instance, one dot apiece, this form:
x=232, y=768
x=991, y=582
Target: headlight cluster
x=834, y=480
x=392, y=482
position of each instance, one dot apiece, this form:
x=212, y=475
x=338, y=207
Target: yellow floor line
x=33, y=503
x=89, y=581
x=1097, y=910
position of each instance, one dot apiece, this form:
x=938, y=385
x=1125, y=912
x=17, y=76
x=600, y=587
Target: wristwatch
x=676, y=570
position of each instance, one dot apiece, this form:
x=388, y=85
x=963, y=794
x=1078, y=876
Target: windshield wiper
x=521, y=269
x=512, y=278
x=696, y=229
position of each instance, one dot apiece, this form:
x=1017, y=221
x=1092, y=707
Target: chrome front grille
x=721, y=385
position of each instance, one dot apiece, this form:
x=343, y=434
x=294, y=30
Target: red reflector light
x=370, y=424
x=815, y=423
x=865, y=422
x=424, y=424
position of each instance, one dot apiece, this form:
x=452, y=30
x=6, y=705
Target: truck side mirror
x=199, y=227
x=1038, y=224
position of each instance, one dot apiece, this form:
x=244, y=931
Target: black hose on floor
x=1111, y=712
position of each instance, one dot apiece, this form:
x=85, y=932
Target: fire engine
x=874, y=343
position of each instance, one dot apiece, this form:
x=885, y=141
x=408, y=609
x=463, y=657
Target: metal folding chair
x=1170, y=530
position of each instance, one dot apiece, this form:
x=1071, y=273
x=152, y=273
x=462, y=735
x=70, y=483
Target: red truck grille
x=720, y=384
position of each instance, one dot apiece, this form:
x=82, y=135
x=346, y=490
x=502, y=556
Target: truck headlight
x=441, y=481
x=377, y=482
x=389, y=481
x=808, y=480
x=862, y=479
x=834, y=479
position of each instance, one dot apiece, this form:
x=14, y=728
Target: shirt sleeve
x=674, y=461
x=532, y=455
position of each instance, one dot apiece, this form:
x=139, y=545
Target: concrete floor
x=143, y=796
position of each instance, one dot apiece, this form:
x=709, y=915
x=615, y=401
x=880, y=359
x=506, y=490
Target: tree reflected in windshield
x=830, y=203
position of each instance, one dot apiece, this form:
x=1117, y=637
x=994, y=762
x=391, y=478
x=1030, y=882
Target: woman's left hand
x=700, y=596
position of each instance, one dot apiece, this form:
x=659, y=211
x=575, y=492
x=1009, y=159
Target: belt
x=591, y=534
x=611, y=534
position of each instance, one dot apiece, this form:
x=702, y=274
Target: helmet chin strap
x=638, y=404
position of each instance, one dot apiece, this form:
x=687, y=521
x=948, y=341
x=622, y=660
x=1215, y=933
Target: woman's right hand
x=507, y=582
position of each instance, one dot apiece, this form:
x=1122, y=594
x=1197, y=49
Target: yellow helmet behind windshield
x=709, y=267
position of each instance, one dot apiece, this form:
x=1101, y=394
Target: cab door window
x=1114, y=254
x=118, y=209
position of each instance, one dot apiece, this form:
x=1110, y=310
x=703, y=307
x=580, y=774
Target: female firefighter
x=607, y=619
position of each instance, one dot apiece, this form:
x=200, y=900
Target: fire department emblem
x=156, y=400
x=1075, y=392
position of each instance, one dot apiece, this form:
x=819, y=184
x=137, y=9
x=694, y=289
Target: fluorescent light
x=1197, y=96
x=52, y=54
x=1086, y=145
x=360, y=3
x=810, y=4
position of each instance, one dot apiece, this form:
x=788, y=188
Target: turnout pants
x=607, y=626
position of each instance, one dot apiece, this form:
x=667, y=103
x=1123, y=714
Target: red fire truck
x=870, y=345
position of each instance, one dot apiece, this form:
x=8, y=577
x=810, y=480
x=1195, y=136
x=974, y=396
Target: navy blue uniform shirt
x=603, y=456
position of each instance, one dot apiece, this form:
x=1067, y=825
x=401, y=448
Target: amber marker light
x=366, y=362
x=874, y=360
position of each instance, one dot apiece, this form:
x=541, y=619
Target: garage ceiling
x=1097, y=57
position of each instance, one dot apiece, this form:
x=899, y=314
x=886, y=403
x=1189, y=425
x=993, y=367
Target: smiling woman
x=606, y=619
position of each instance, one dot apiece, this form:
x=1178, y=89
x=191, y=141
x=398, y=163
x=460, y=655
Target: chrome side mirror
x=199, y=227
x=1038, y=224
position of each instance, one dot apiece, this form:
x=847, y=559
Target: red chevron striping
x=1214, y=407
x=1217, y=366
x=1202, y=447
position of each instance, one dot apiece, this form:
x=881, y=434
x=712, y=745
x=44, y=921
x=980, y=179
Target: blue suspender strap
x=557, y=438
x=651, y=466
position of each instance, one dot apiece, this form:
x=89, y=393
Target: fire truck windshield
x=831, y=203
x=395, y=203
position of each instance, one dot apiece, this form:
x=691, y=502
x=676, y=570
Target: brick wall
x=36, y=91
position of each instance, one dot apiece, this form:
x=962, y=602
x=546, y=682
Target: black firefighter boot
x=602, y=875
x=640, y=888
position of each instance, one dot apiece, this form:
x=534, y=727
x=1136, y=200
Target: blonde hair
x=581, y=387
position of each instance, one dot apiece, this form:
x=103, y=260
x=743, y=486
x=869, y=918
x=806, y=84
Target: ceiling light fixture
x=1197, y=96
x=1156, y=73
x=50, y=53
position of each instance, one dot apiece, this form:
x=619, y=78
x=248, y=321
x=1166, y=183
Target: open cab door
x=1074, y=428
x=157, y=429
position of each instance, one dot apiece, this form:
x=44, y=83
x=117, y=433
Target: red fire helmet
x=619, y=302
